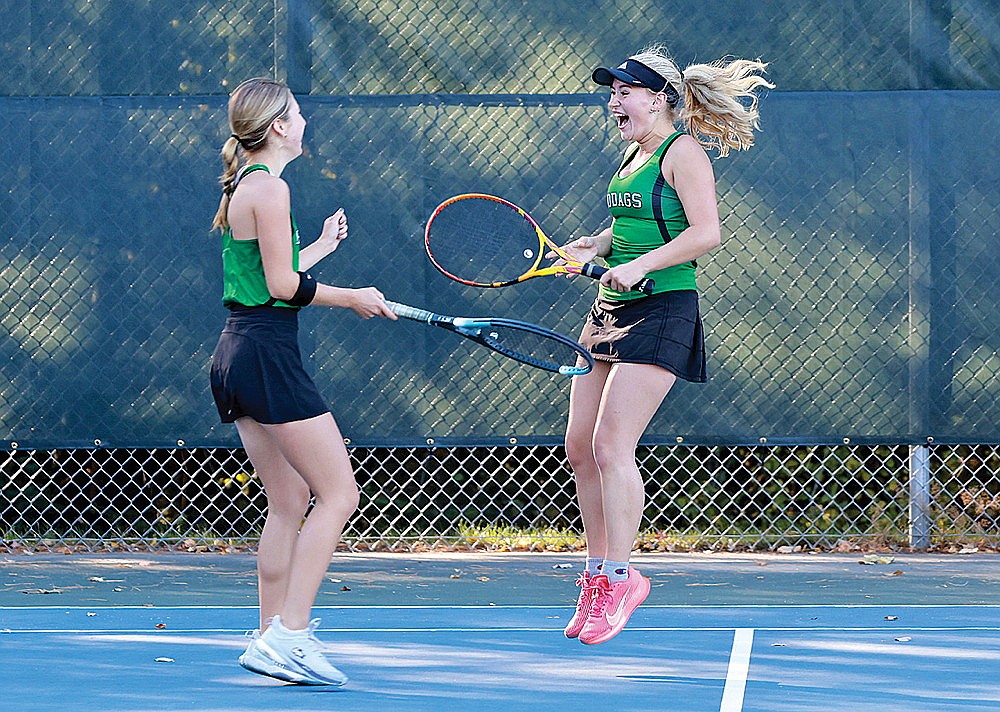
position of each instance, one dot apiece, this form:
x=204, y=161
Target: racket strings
x=538, y=349
x=483, y=241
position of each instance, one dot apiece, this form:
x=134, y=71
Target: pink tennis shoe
x=612, y=605
x=583, y=604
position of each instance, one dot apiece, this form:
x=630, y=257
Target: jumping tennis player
x=664, y=217
x=259, y=383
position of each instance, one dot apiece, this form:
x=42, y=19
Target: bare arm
x=274, y=233
x=334, y=231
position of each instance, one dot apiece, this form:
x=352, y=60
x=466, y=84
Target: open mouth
x=622, y=120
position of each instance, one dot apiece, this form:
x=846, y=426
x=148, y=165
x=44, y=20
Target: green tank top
x=648, y=214
x=243, y=281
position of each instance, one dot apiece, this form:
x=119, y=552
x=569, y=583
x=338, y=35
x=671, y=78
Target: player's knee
x=291, y=505
x=344, y=499
x=579, y=451
x=351, y=499
x=608, y=453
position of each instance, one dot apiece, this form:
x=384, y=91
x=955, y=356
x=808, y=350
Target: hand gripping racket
x=485, y=241
x=530, y=344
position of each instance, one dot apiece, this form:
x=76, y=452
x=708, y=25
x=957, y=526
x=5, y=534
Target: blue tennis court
x=484, y=632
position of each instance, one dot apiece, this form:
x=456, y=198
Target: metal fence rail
x=515, y=497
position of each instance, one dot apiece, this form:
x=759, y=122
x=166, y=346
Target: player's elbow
x=283, y=286
x=711, y=237
x=705, y=235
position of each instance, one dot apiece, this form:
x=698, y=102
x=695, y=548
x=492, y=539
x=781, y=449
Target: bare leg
x=632, y=394
x=292, y=458
x=287, y=501
x=584, y=403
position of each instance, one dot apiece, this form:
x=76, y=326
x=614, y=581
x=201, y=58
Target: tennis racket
x=485, y=241
x=530, y=344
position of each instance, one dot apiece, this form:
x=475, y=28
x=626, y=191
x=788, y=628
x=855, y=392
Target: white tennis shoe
x=256, y=661
x=292, y=655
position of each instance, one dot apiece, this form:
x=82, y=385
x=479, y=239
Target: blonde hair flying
x=720, y=103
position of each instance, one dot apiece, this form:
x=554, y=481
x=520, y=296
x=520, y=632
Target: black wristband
x=306, y=291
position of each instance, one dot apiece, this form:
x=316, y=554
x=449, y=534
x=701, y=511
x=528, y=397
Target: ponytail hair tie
x=236, y=137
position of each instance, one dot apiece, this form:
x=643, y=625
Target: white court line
x=513, y=629
x=741, y=606
x=739, y=668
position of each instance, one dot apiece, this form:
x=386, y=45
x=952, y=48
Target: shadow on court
x=474, y=632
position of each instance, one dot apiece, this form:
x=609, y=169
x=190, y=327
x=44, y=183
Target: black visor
x=636, y=74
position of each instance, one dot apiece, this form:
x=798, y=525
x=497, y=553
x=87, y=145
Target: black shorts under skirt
x=664, y=329
x=257, y=369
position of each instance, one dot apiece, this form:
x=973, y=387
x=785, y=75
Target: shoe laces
x=601, y=594
x=585, y=582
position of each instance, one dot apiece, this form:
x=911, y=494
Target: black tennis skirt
x=664, y=329
x=257, y=369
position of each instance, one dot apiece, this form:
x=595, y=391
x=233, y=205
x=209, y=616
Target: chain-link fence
x=852, y=300
x=515, y=497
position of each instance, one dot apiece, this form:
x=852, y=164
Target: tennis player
x=665, y=216
x=259, y=382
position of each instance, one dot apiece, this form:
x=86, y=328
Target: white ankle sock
x=615, y=570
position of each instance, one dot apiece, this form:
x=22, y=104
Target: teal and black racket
x=527, y=343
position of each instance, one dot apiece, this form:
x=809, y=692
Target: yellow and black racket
x=485, y=241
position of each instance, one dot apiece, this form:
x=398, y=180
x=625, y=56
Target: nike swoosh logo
x=616, y=616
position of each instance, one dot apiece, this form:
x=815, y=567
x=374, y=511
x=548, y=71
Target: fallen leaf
x=563, y=566
x=160, y=626
x=873, y=559
x=904, y=639
x=164, y=660
x=345, y=588
x=892, y=618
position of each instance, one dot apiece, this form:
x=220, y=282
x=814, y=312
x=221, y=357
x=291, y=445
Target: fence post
x=920, y=281
x=920, y=496
x=296, y=45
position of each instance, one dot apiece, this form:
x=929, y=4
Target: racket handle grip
x=594, y=272
x=408, y=312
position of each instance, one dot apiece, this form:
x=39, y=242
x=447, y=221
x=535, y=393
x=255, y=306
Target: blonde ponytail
x=713, y=112
x=231, y=164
